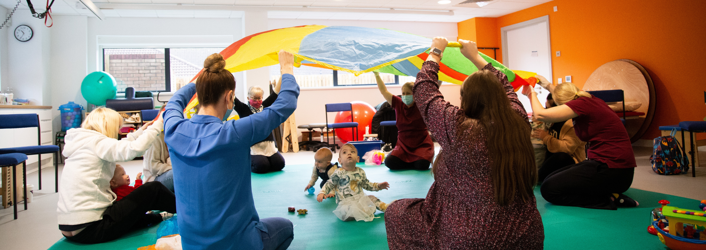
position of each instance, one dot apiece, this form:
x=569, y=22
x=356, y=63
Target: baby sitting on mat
x=348, y=183
x=323, y=169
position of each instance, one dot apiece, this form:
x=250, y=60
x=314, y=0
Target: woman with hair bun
x=211, y=162
x=599, y=181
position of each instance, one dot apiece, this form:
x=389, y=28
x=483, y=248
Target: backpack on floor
x=667, y=157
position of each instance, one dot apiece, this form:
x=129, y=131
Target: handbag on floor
x=667, y=157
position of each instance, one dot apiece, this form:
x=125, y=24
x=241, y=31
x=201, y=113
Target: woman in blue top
x=211, y=162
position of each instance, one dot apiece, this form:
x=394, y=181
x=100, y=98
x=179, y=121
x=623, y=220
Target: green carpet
x=564, y=227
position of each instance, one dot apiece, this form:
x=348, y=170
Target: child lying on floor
x=323, y=169
x=349, y=182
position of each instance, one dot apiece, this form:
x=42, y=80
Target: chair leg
x=39, y=170
x=691, y=151
x=56, y=172
x=24, y=182
x=14, y=189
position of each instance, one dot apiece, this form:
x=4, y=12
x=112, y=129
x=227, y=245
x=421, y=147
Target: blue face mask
x=408, y=99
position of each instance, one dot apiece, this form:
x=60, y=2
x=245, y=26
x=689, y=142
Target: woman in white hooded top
x=87, y=211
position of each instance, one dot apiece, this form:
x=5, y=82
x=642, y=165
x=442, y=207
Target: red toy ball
x=362, y=114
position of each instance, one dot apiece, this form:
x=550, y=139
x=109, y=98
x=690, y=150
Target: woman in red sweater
x=599, y=181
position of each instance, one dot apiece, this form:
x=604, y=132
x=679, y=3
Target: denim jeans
x=280, y=233
x=167, y=179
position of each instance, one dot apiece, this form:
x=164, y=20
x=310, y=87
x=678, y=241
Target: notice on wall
x=535, y=53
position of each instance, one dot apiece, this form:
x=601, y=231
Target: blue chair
x=616, y=95
x=693, y=127
x=31, y=121
x=12, y=160
x=337, y=107
x=148, y=115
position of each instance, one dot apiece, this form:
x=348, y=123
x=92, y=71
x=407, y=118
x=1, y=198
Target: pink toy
x=379, y=158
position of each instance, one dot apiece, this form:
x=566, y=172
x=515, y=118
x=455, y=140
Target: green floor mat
x=564, y=227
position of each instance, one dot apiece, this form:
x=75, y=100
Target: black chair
x=615, y=95
x=310, y=144
x=337, y=107
x=31, y=121
x=12, y=160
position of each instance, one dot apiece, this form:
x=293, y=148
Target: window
x=315, y=77
x=149, y=69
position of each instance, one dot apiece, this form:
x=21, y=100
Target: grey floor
x=36, y=228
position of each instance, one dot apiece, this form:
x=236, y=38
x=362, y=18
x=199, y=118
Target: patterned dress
x=460, y=211
x=352, y=202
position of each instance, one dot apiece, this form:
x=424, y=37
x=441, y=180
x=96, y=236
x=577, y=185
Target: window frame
x=167, y=69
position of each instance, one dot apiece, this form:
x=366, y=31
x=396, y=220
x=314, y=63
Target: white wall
x=69, y=62
x=3, y=49
x=28, y=67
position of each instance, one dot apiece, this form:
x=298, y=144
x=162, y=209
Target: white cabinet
x=28, y=136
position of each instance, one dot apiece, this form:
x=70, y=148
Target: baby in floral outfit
x=348, y=183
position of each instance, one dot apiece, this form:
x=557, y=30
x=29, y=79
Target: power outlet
x=567, y=78
x=559, y=80
x=558, y=53
x=555, y=9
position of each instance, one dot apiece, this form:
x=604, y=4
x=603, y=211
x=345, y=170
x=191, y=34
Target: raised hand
x=286, y=62
x=439, y=43
x=384, y=185
x=527, y=90
x=139, y=176
x=469, y=49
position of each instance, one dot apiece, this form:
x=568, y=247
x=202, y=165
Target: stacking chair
x=147, y=115
x=616, y=95
x=693, y=127
x=12, y=160
x=31, y=121
x=337, y=107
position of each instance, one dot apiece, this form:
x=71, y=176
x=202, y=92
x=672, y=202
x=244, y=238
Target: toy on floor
x=702, y=206
x=662, y=222
x=302, y=211
x=291, y=209
x=311, y=190
x=376, y=157
x=687, y=230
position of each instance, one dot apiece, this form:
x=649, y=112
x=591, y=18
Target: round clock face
x=23, y=33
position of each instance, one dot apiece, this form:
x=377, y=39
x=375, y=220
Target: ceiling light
x=444, y=2
x=481, y=4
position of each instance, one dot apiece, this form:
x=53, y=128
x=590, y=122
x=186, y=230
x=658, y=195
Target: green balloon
x=98, y=87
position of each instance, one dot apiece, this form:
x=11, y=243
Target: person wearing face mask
x=264, y=155
x=414, y=148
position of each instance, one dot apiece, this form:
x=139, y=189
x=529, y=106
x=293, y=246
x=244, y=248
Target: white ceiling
x=383, y=10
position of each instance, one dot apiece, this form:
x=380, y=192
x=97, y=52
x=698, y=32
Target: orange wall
x=483, y=31
x=666, y=37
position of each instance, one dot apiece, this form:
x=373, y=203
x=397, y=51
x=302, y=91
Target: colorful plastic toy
x=687, y=229
x=379, y=158
x=291, y=209
x=311, y=190
x=657, y=216
x=302, y=211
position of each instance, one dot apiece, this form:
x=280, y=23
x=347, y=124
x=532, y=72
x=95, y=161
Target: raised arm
x=174, y=111
x=470, y=50
x=439, y=115
x=550, y=115
x=273, y=95
x=112, y=150
x=257, y=127
x=383, y=88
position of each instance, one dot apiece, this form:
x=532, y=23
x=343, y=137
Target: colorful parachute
x=352, y=49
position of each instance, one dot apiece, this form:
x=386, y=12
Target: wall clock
x=23, y=33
